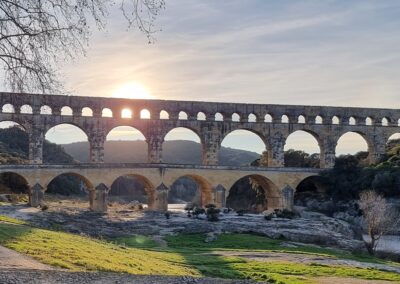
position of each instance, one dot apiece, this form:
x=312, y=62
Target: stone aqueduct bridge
x=37, y=113
x=211, y=180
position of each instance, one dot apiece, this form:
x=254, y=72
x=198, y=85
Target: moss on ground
x=249, y=242
x=186, y=255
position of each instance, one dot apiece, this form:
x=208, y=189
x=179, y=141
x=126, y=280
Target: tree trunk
x=371, y=246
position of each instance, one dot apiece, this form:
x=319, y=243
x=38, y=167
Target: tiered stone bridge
x=97, y=116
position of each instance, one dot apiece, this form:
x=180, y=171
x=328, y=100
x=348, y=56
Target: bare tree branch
x=379, y=217
x=35, y=36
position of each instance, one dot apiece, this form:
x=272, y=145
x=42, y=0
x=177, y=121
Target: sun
x=126, y=113
x=132, y=90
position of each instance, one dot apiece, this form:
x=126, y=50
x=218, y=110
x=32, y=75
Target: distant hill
x=14, y=149
x=177, y=151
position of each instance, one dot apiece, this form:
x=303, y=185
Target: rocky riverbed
x=72, y=215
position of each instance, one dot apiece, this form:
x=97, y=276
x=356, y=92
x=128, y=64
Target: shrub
x=280, y=213
x=198, y=211
x=44, y=207
x=13, y=198
x=212, y=212
x=285, y=213
x=268, y=217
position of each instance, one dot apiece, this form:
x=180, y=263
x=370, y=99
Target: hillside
x=177, y=151
x=14, y=148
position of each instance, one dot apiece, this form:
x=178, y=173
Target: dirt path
x=10, y=259
x=64, y=277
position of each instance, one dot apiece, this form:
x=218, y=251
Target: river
x=389, y=243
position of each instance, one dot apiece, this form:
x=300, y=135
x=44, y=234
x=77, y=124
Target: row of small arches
x=145, y=114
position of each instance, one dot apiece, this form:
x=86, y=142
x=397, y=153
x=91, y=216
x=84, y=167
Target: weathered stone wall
x=214, y=181
x=316, y=120
x=38, y=113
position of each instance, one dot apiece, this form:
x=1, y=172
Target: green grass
x=186, y=255
x=82, y=253
x=197, y=252
x=7, y=219
x=290, y=272
x=246, y=242
x=136, y=241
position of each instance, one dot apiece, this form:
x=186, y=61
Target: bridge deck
x=156, y=166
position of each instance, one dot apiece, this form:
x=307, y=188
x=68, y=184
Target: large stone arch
x=312, y=177
x=317, y=138
x=46, y=180
x=26, y=125
x=14, y=177
x=192, y=128
x=390, y=137
x=273, y=196
x=25, y=139
x=141, y=127
x=372, y=151
x=204, y=186
x=389, y=134
x=315, y=134
x=196, y=132
x=255, y=131
x=51, y=125
x=311, y=192
x=147, y=184
x=133, y=133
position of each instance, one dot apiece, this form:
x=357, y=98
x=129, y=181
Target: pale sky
x=341, y=53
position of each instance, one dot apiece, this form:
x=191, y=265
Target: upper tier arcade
x=212, y=121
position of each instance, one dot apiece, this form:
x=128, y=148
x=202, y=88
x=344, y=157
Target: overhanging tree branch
x=36, y=35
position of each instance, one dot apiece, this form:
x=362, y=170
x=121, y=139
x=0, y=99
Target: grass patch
x=293, y=273
x=7, y=219
x=247, y=242
x=80, y=253
x=136, y=241
x=196, y=252
x=187, y=255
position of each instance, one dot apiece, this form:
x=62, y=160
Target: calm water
x=388, y=243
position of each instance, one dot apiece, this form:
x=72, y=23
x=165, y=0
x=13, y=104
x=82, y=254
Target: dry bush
x=379, y=217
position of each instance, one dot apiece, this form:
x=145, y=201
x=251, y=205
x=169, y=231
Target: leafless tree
x=36, y=35
x=379, y=216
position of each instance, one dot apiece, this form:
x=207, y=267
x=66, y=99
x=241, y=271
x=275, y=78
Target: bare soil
x=64, y=277
x=10, y=259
